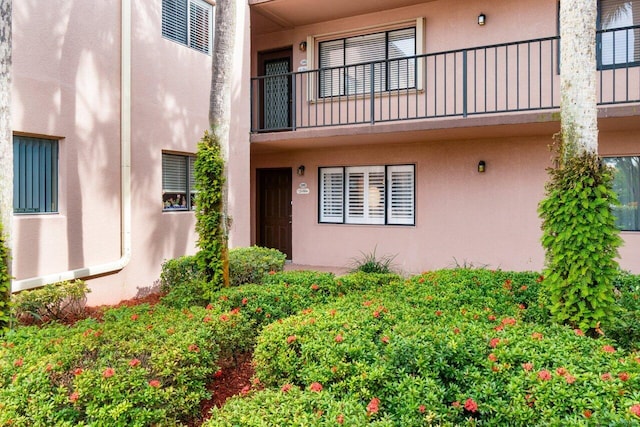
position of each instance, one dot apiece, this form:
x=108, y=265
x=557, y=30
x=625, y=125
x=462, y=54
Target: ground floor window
x=627, y=185
x=178, y=182
x=367, y=195
x=35, y=175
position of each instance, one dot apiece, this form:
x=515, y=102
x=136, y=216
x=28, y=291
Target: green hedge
x=444, y=348
x=5, y=285
x=182, y=279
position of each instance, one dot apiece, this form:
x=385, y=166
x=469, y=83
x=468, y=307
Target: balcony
x=498, y=79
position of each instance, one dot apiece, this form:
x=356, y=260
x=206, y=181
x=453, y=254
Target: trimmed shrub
x=250, y=265
x=142, y=366
x=54, y=302
x=178, y=272
x=443, y=348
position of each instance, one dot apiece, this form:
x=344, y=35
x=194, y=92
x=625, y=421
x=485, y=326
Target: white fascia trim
x=125, y=174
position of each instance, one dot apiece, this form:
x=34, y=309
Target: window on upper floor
x=367, y=195
x=188, y=22
x=35, y=175
x=619, y=42
x=178, y=182
x=626, y=184
x=363, y=64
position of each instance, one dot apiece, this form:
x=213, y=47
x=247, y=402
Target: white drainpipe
x=125, y=174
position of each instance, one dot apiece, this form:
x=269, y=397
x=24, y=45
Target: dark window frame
x=35, y=175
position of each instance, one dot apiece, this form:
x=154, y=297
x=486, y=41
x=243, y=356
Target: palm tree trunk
x=220, y=104
x=578, y=109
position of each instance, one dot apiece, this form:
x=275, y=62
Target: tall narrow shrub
x=213, y=257
x=580, y=238
x=5, y=284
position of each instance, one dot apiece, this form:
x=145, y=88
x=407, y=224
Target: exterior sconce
x=301, y=170
x=482, y=166
x=302, y=46
x=482, y=19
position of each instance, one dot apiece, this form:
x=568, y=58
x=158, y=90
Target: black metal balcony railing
x=501, y=78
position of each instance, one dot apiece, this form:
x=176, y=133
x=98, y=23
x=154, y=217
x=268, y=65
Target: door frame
x=259, y=174
x=263, y=58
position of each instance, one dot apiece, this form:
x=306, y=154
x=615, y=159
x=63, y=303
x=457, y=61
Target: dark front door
x=274, y=209
x=275, y=88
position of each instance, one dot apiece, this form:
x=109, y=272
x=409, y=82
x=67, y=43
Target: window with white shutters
x=178, y=182
x=332, y=191
x=188, y=22
x=401, y=203
x=372, y=62
x=619, y=44
x=367, y=195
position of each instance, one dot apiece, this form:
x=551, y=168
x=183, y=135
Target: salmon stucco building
x=418, y=129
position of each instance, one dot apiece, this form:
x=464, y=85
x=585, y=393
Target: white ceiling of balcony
x=275, y=15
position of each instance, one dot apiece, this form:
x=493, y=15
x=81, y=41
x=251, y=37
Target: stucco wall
x=462, y=217
x=67, y=85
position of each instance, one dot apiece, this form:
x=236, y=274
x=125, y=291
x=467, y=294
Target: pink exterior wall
x=462, y=217
x=67, y=84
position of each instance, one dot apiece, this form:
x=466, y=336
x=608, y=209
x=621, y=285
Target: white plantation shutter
x=401, y=191
x=365, y=195
x=332, y=195
x=174, y=173
x=363, y=49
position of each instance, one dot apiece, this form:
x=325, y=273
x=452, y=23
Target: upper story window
x=368, y=63
x=619, y=43
x=35, y=175
x=368, y=195
x=178, y=182
x=626, y=184
x=188, y=22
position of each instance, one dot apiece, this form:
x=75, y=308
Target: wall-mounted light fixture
x=302, y=46
x=482, y=166
x=301, y=170
x=482, y=19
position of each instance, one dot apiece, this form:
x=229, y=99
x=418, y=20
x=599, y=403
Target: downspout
x=125, y=174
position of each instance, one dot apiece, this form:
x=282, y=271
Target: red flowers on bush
x=18, y=362
x=154, y=383
x=635, y=410
x=338, y=338
x=290, y=339
x=108, y=373
x=385, y=339
x=624, y=376
x=608, y=349
x=224, y=318
x=537, y=336
x=422, y=409
x=528, y=366
x=493, y=357
x=315, y=287
x=73, y=397
x=340, y=419
x=374, y=406
x=494, y=342
x=606, y=376
x=217, y=374
x=134, y=362
x=285, y=388
x=317, y=387
x=134, y=317
x=544, y=375
x=194, y=348
x=470, y=405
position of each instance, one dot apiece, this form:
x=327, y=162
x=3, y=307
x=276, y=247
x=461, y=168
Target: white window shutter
x=332, y=195
x=365, y=195
x=401, y=188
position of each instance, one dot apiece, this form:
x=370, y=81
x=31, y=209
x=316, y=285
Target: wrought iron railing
x=496, y=79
